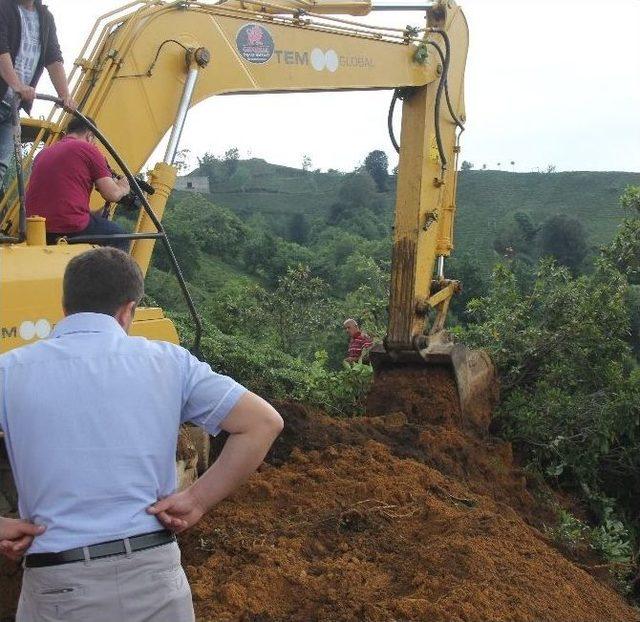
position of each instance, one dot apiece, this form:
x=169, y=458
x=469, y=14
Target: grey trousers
x=148, y=586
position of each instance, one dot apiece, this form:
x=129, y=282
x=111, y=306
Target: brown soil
x=402, y=516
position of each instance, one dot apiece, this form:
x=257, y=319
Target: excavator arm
x=146, y=64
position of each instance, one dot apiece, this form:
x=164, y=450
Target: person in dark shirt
x=61, y=182
x=359, y=342
x=28, y=44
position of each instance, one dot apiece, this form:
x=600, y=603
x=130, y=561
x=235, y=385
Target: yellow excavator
x=146, y=64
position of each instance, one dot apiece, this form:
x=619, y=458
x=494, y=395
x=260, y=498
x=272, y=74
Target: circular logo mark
x=321, y=60
x=255, y=44
x=27, y=331
x=30, y=330
x=43, y=329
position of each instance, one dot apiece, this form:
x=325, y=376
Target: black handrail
x=87, y=239
x=161, y=233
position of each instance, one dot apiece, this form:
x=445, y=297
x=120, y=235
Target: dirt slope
x=403, y=516
x=355, y=533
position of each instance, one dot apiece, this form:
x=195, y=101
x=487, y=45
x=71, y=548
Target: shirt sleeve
x=98, y=167
x=207, y=397
x=53, y=53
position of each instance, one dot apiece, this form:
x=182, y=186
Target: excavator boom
x=145, y=65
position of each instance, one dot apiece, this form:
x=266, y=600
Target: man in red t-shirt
x=61, y=182
x=359, y=343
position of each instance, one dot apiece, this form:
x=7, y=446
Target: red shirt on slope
x=61, y=182
x=358, y=342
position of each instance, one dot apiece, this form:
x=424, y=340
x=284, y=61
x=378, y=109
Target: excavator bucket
x=473, y=371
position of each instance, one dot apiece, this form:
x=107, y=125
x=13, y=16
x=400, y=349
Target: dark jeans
x=97, y=226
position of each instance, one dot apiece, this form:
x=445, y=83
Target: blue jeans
x=6, y=141
x=97, y=226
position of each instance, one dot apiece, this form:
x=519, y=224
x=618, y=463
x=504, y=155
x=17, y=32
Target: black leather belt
x=98, y=551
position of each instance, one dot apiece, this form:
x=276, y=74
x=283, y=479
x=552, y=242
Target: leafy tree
x=570, y=391
x=516, y=238
x=209, y=165
x=474, y=283
x=526, y=226
x=358, y=270
x=258, y=251
x=306, y=163
x=377, y=165
x=564, y=238
x=358, y=190
x=182, y=160
x=624, y=251
x=299, y=228
x=187, y=253
x=235, y=308
x=298, y=308
x=215, y=230
x=231, y=158
x=337, y=213
x=466, y=165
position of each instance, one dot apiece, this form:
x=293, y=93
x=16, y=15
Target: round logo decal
x=321, y=60
x=255, y=43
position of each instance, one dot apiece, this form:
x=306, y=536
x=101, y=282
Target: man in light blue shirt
x=91, y=419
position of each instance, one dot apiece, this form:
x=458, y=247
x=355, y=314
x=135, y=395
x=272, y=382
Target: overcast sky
x=548, y=82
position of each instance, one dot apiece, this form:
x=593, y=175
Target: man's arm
x=112, y=190
x=253, y=425
x=9, y=75
x=16, y=537
x=61, y=84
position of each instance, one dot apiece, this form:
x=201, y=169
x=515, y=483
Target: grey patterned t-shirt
x=30, y=48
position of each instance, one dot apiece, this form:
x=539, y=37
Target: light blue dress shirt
x=91, y=419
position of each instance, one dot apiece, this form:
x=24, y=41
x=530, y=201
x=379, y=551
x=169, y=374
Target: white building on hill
x=193, y=184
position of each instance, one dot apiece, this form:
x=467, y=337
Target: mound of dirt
x=356, y=533
x=405, y=515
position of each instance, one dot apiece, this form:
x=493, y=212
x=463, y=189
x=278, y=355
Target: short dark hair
x=79, y=126
x=101, y=281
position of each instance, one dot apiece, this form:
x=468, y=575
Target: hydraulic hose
x=446, y=86
x=392, y=109
x=443, y=86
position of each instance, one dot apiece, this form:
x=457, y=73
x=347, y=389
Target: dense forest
x=277, y=258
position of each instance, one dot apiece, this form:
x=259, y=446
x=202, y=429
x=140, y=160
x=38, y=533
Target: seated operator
x=61, y=182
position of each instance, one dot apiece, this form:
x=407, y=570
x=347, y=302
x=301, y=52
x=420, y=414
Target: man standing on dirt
x=93, y=452
x=28, y=44
x=359, y=342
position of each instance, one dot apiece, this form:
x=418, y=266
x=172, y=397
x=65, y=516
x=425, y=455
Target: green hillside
x=486, y=199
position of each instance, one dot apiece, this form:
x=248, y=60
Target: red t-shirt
x=61, y=182
x=357, y=344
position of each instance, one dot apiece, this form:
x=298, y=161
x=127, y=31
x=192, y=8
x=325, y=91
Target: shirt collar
x=87, y=323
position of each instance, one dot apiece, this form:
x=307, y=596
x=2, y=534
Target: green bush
x=570, y=387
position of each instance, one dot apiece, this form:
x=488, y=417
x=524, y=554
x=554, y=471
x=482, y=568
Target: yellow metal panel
x=31, y=291
x=425, y=201
x=301, y=59
x=162, y=330
x=31, y=296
